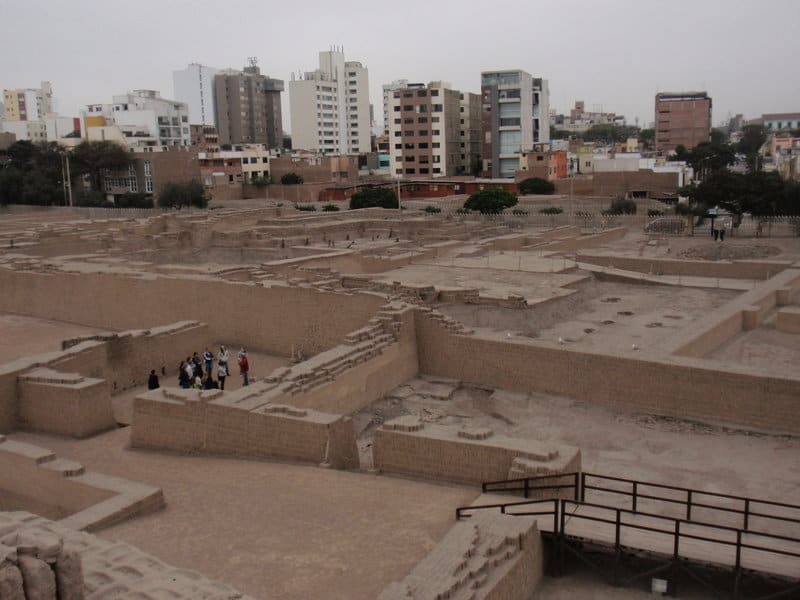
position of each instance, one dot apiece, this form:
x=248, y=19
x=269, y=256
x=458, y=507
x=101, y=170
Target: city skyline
x=615, y=57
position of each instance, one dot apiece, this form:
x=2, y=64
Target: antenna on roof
x=252, y=61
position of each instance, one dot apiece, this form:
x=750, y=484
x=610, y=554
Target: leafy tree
x=92, y=158
x=757, y=193
x=33, y=174
x=330, y=208
x=260, y=182
x=648, y=138
x=753, y=137
x=621, y=206
x=372, y=197
x=536, y=185
x=134, y=200
x=609, y=133
x=490, y=201
x=291, y=179
x=178, y=195
x=560, y=134
x=706, y=157
x=11, y=186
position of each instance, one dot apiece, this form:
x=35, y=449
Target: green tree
x=648, y=138
x=490, y=201
x=33, y=174
x=621, y=206
x=175, y=194
x=609, y=133
x=536, y=185
x=93, y=158
x=291, y=179
x=11, y=185
x=753, y=137
x=373, y=197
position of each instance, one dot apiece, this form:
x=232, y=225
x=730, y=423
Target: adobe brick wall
x=241, y=423
x=77, y=408
x=276, y=319
x=743, y=269
x=409, y=447
x=788, y=319
x=687, y=388
x=489, y=556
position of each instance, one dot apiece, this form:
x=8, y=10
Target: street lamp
x=66, y=178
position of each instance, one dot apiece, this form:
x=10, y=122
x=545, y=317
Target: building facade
x=248, y=107
x=433, y=131
x=28, y=104
x=194, y=86
x=515, y=116
x=682, y=119
x=330, y=107
x=140, y=119
x=778, y=121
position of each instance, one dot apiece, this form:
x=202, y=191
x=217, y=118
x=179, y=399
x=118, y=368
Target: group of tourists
x=198, y=371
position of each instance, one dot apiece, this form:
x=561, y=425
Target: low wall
x=743, y=269
x=489, y=557
x=63, y=403
x=121, y=361
x=243, y=423
x=409, y=447
x=744, y=312
x=672, y=386
x=788, y=319
x=586, y=241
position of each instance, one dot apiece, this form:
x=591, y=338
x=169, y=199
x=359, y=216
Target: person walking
x=184, y=378
x=152, y=381
x=208, y=358
x=223, y=357
x=222, y=373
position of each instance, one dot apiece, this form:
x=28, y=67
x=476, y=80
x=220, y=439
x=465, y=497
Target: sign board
x=712, y=212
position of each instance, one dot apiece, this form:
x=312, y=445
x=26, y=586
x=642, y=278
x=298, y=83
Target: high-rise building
x=388, y=88
x=330, y=107
x=138, y=119
x=28, y=104
x=194, y=85
x=516, y=109
x=682, y=119
x=432, y=130
x=248, y=107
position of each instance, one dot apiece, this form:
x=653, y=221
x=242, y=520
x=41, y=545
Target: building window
x=408, y=107
x=148, y=185
x=398, y=146
x=410, y=171
x=434, y=92
x=437, y=108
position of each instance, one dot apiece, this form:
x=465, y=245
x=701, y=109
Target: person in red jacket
x=244, y=367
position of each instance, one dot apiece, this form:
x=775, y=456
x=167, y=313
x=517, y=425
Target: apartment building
x=248, y=107
x=28, y=104
x=433, y=130
x=140, y=119
x=515, y=116
x=194, y=86
x=682, y=119
x=330, y=106
x=778, y=121
x=205, y=137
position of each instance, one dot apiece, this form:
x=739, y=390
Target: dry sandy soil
x=270, y=529
x=25, y=336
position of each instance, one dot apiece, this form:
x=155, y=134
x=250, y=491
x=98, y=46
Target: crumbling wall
x=406, y=445
x=740, y=269
x=487, y=557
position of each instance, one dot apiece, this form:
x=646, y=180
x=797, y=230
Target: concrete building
x=28, y=104
x=544, y=163
x=140, y=119
x=32, y=131
x=194, y=85
x=433, y=130
x=778, y=121
x=682, y=119
x=248, y=107
x=515, y=116
x=388, y=88
x=330, y=107
x=205, y=137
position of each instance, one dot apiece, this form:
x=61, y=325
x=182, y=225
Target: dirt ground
x=271, y=529
x=603, y=316
x=25, y=336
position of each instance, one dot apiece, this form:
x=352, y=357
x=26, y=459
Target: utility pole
x=63, y=180
x=69, y=181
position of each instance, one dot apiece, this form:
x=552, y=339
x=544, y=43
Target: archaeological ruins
x=440, y=405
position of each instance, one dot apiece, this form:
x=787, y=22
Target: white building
x=28, y=104
x=330, y=107
x=32, y=131
x=194, y=85
x=140, y=119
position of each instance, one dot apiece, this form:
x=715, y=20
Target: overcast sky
x=613, y=54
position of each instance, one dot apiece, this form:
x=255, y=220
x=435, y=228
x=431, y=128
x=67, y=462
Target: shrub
x=519, y=212
x=621, y=206
x=191, y=193
x=654, y=212
x=306, y=207
x=374, y=197
x=432, y=209
x=552, y=210
x=330, y=208
x=462, y=211
x=536, y=185
x=260, y=182
x=291, y=179
x=490, y=201
x=583, y=213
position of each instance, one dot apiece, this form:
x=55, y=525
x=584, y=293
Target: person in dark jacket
x=152, y=381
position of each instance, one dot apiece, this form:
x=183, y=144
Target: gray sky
x=610, y=53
